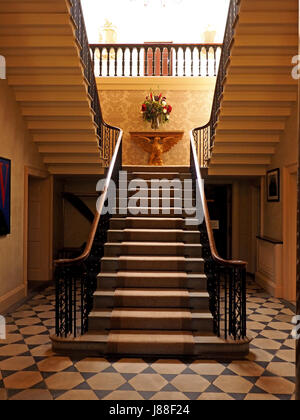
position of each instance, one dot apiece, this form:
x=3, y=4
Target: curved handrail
x=210, y=233
x=96, y=221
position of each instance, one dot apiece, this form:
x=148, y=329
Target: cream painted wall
x=15, y=144
x=286, y=154
x=191, y=100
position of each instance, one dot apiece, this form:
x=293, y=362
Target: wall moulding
x=156, y=83
x=269, y=265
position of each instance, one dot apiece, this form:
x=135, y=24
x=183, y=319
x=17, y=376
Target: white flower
x=165, y=111
x=164, y=103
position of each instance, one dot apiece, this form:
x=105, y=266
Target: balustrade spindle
x=123, y=61
x=138, y=61
x=207, y=62
x=116, y=51
x=153, y=61
x=130, y=61
x=100, y=62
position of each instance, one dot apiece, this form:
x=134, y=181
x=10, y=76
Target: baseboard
x=12, y=298
x=265, y=283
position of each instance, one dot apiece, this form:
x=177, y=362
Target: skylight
x=180, y=21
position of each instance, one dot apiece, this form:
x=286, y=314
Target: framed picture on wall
x=5, y=186
x=273, y=185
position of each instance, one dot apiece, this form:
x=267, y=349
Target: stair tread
x=151, y=336
x=151, y=292
x=152, y=313
x=151, y=258
x=150, y=274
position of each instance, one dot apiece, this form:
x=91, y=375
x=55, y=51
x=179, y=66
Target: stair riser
x=101, y=302
x=154, y=169
x=151, y=176
x=160, y=202
x=155, y=212
x=158, y=349
x=117, y=223
x=182, y=251
x=111, y=283
x=185, y=237
x=134, y=323
x=159, y=192
x=143, y=265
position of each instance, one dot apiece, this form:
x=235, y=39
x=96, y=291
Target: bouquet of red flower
x=156, y=110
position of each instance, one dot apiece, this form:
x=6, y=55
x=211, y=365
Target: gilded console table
x=156, y=143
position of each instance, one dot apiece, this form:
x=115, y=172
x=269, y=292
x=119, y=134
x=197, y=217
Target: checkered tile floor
x=29, y=369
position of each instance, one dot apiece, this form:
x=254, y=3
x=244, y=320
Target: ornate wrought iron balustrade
x=76, y=279
x=226, y=279
x=154, y=59
x=204, y=136
x=107, y=134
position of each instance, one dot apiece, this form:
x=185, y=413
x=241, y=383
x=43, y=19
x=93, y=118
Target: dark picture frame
x=5, y=196
x=273, y=186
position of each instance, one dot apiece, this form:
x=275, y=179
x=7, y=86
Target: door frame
x=288, y=172
x=40, y=174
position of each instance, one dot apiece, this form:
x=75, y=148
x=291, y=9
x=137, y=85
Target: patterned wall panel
x=123, y=109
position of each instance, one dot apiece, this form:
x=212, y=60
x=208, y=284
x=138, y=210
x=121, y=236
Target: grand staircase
x=152, y=294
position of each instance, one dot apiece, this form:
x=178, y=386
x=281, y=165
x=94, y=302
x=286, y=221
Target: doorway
x=219, y=200
x=38, y=222
x=290, y=233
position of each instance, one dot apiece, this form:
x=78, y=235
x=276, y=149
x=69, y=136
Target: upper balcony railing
x=156, y=59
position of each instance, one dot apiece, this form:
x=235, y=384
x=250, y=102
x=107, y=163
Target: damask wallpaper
x=123, y=109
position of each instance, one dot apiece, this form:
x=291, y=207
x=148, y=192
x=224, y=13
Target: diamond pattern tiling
x=29, y=370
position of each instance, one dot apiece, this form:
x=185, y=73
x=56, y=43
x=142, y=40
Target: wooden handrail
x=96, y=221
x=210, y=233
x=157, y=45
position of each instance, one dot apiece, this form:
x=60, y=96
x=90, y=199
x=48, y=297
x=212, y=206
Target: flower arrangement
x=156, y=110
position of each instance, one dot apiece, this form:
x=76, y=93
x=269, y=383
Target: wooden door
x=39, y=230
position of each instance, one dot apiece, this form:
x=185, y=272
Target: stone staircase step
x=153, y=248
x=153, y=223
x=147, y=298
x=156, y=279
x=151, y=318
x=155, y=235
x=152, y=263
x=151, y=342
x=159, y=175
x=155, y=192
x=169, y=212
x=143, y=342
x=163, y=201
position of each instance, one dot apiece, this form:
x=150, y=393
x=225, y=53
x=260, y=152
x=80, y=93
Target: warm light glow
x=180, y=22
